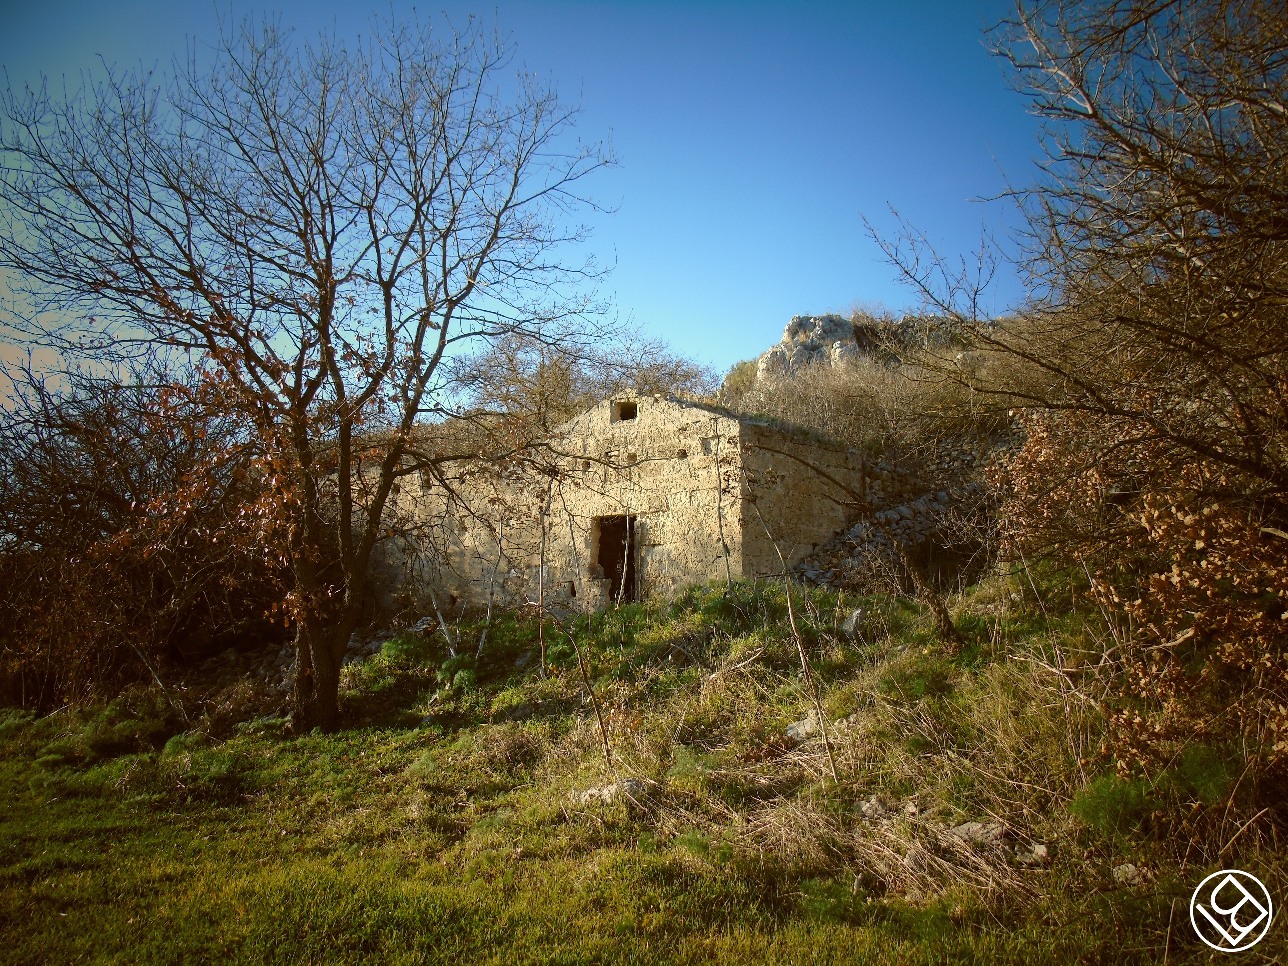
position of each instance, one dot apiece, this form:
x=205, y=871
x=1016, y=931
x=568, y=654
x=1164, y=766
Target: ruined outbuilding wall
x=674, y=468
x=797, y=494
x=700, y=486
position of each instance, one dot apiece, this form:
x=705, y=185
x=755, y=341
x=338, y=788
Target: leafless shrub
x=113, y=501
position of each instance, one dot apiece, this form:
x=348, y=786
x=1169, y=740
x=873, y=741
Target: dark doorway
x=616, y=556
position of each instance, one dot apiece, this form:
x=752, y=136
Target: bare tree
x=117, y=501
x=329, y=227
x=551, y=384
x=1159, y=230
x=1156, y=236
x=1150, y=367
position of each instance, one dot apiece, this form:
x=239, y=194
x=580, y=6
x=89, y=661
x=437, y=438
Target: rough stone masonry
x=651, y=495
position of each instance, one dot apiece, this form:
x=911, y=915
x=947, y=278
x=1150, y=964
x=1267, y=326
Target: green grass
x=441, y=824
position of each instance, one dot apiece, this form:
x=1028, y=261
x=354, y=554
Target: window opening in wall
x=616, y=554
x=627, y=409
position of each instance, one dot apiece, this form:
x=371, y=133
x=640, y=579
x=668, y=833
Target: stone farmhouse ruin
x=642, y=497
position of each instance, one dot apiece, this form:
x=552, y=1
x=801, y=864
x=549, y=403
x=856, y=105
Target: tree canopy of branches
x=1161, y=444
x=1159, y=229
x=549, y=385
x=331, y=230
x=1150, y=368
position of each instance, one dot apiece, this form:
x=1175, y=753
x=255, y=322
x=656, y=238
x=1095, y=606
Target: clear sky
x=752, y=136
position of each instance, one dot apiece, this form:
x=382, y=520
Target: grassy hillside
x=469, y=812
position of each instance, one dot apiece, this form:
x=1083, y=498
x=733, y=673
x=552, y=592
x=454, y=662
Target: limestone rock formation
x=832, y=340
x=810, y=340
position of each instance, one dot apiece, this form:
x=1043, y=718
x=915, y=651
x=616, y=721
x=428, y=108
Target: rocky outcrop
x=832, y=340
x=810, y=340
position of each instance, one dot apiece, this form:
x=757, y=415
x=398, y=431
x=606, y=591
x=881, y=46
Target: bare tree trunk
x=452, y=642
x=316, y=697
x=541, y=576
x=626, y=560
x=924, y=592
x=594, y=699
x=590, y=687
x=491, y=589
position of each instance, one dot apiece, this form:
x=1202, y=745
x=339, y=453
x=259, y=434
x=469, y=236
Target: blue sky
x=752, y=136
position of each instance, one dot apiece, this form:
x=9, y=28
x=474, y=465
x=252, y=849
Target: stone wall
x=649, y=475
x=670, y=467
x=938, y=514
x=647, y=496
x=798, y=493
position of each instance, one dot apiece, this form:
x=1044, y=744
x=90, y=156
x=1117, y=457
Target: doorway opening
x=616, y=556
